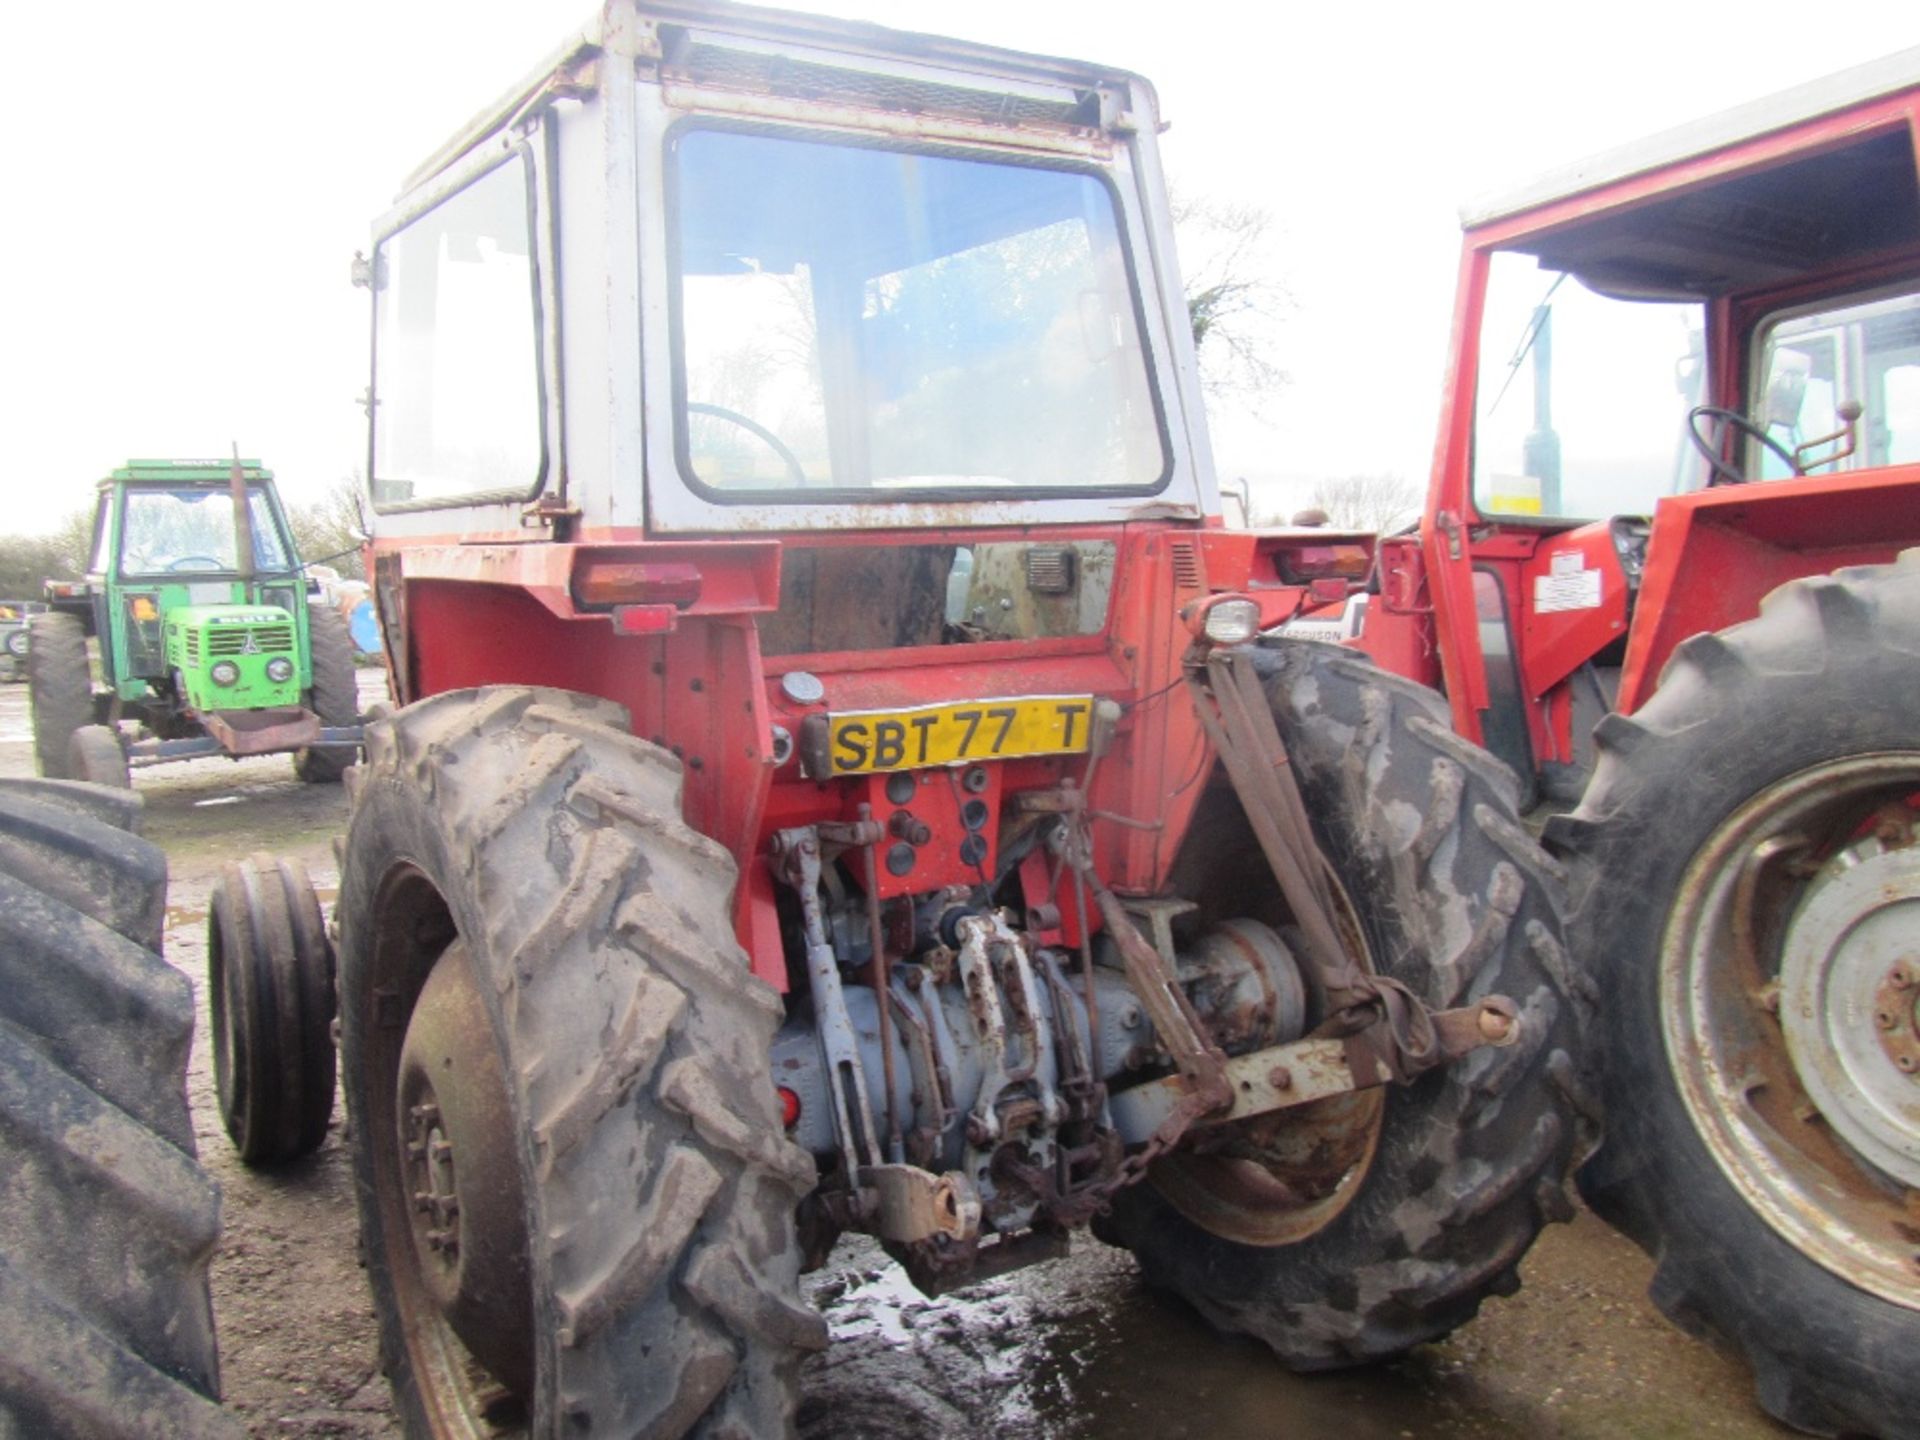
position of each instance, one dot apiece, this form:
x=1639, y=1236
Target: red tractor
x=1679, y=459
x=840, y=785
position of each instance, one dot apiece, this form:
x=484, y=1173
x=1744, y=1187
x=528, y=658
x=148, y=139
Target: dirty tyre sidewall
x=335, y=696
x=94, y=755
x=1830, y=669
x=60, y=689
x=635, y=1042
x=1457, y=902
x=271, y=1000
x=110, y=1223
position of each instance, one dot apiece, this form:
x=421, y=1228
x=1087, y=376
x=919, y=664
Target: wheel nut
x=1280, y=1078
x=1900, y=978
x=1884, y=1019
x=1906, y=1064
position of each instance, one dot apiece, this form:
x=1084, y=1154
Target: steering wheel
x=760, y=432
x=196, y=562
x=1725, y=472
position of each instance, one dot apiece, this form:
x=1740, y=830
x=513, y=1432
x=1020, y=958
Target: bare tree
x=328, y=531
x=1234, y=301
x=1367, y=502
x=27, y=562
x=74, y=542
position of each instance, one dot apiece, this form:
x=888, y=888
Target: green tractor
x=207, y=643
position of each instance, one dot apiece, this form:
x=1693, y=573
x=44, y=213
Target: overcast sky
x=188, y=182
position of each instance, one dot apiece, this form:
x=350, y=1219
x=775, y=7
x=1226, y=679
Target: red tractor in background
x=1660, y=574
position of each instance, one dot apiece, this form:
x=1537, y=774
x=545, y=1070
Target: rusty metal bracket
x=851, y=833
x=1202, y=1063
x=550, y=511
x=914, y=1204
x=1303, y=1071
x=796, y=858
x=262, y=732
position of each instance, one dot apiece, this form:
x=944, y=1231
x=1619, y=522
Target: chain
x=1133, y=1169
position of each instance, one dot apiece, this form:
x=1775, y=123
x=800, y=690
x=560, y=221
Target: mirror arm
x=1845, y=440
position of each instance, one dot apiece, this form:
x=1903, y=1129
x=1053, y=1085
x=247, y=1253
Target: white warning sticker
x=1568, y=586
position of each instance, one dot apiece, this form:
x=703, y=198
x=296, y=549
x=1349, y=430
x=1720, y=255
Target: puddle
x=1080, y=1350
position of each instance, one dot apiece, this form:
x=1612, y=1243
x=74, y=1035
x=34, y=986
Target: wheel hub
x=1776, y=966
x=464, y=1197
x=436, y=1192
x=1897, y=1017
x=1280, y=1179
x=1847, y=998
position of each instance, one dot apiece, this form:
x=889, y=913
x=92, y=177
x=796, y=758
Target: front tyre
x=1748, y=882
x=335, y=696
x=1359, y=1227
x=59, y=688
x=270, y=999
x=576, y=1196
x=95, y=755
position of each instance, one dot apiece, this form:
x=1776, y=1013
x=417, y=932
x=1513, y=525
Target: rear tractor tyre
x=270, y=994
x=106, y=1325
x=95, y=755
x=1746, y=869
x=1356, y=1228
x=335, y=696
x=576, y=1194
x=59, y=688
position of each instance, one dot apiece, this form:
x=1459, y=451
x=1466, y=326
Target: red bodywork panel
x=1572, y=605
x=491, y=612
x=1715, y=554
x=1399, y=625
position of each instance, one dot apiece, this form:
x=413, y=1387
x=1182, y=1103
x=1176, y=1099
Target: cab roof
x=1801, y=184
x=1843, y=90
x=789, y=53
x=187, y=471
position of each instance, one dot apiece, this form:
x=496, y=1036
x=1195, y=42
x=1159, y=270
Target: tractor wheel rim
x=456, y=1237
x=1781, y=940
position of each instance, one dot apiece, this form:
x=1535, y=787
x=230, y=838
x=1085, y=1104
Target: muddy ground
x=1075, y=1349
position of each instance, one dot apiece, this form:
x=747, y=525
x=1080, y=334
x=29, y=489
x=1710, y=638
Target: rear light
x=1223, y=619
x=599, y=584
x=645, y=619
x=141, y=607
x=1300, y=564
x=789, y=1107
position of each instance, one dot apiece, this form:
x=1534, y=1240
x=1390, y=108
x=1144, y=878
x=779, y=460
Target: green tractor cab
x=207, y=645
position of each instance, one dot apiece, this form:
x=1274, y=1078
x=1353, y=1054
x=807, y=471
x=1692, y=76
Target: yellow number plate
x=868, y=741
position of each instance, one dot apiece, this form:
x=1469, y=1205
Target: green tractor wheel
x=335, y=696
x=94, y=754
x=60, y=689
